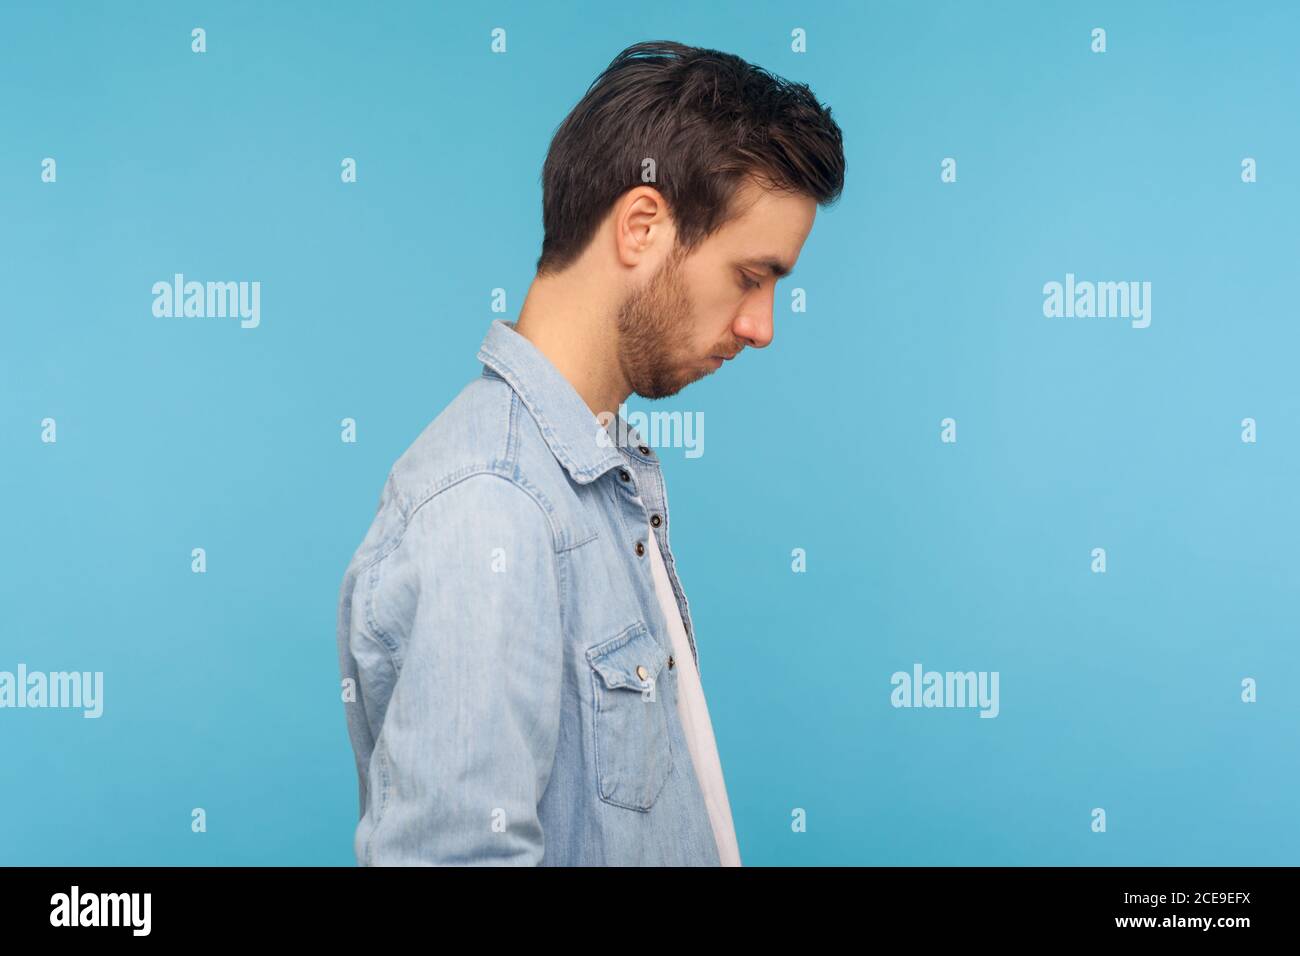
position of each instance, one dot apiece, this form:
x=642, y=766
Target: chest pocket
x=633, y=751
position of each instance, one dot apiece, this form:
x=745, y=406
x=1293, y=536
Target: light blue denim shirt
x=515, y=694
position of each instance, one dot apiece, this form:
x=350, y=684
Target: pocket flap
x=617, y=660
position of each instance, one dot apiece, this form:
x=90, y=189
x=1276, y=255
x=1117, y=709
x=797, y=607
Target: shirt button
x=656, y=521
x=624, y=475
x=643, y=449
x=640, y=549
x=670, y=662
x=641, y=672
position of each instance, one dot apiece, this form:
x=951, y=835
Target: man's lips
x=717, y=360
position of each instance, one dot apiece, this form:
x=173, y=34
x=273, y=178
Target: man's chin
x=668, y=390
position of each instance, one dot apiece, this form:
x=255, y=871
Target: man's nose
x=754, y=326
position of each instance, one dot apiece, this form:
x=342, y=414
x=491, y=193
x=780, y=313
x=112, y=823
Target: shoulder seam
x=514, y=480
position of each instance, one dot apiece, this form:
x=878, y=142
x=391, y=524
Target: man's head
x=701, y=176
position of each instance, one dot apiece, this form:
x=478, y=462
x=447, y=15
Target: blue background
x=1118, y=690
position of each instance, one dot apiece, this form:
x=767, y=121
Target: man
x=519, y=663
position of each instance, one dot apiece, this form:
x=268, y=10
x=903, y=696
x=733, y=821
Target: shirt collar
x=568, y=425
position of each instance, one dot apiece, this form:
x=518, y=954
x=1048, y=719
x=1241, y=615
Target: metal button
x=641, y=672
x=656, y=521
x=624, y=475
x=640, y=549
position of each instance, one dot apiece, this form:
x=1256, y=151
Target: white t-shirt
x=694, y=715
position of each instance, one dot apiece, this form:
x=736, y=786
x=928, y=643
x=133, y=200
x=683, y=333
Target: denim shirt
x=508, y=683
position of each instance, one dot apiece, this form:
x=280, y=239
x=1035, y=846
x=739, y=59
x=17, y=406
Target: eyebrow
x=771, y=264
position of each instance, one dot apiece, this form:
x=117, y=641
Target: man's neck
x=576, y=333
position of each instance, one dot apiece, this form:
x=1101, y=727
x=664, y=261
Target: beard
x=655, y=331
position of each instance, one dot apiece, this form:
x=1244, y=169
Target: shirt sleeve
x=469, y=734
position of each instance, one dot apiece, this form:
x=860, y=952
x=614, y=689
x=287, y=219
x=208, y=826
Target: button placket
x=625, y=478
x=658, y=520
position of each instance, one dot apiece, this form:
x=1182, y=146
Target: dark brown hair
x=709, y=120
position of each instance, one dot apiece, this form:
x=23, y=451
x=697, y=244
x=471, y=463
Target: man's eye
x=746, y=282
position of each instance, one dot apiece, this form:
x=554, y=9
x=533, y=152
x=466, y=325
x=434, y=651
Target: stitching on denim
x=538, y=413
x=620, y=640
x=372, y=628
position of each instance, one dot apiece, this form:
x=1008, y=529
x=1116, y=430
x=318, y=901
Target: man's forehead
x=768, y=230
x=753, y=200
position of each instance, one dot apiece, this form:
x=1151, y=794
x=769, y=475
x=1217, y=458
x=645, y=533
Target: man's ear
x=643, y=229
